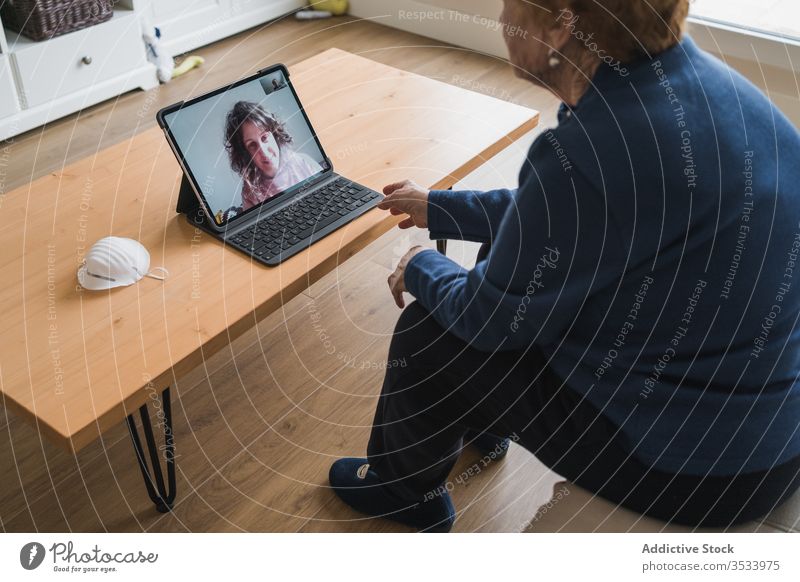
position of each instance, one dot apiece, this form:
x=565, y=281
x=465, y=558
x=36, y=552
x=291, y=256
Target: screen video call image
x=247, y=145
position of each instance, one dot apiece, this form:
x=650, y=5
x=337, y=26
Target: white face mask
x=116, y=262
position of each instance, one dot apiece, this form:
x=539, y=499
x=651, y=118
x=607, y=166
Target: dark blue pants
x=443, y=387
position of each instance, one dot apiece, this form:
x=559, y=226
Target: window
x=776, y=17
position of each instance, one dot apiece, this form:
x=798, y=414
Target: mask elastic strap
x=163, y=273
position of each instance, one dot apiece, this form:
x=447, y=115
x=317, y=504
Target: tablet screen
x=246, y=145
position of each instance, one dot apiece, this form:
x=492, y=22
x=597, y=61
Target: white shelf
x=28, y=101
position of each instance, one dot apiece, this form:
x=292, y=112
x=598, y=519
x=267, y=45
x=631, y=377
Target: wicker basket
x=44, y=19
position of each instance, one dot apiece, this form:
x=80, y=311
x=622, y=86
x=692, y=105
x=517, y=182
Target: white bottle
x=312, y=14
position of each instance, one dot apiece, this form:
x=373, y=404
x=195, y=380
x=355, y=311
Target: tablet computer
x=234, y=167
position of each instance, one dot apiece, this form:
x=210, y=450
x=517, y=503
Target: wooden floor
x=257, y=426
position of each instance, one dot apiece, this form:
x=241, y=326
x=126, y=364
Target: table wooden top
x=77, y=362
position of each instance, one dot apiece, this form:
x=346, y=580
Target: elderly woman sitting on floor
x=632, y=317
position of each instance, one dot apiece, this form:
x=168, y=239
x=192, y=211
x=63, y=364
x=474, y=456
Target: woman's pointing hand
x=409, y=198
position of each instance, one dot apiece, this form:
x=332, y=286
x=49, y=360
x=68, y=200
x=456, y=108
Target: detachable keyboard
x=276, y=237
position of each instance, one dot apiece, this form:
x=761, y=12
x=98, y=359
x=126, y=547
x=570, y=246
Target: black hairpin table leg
x=163, y=497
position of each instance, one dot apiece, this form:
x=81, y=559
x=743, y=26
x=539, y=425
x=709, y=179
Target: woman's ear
x=559, y=35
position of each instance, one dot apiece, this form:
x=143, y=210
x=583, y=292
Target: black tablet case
x=190, y=207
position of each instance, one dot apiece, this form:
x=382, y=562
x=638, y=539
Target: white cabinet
x=188, y=24
x=42, y=81
x=241, y=6
x=56, y=77
x=179, y=20
x=65, y=64
x=166, y=10
x=9, y=103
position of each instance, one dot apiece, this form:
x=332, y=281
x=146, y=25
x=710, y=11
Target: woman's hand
x=397, y=283
x=410, y=198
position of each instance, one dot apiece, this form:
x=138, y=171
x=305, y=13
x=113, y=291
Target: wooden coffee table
x=76, y=363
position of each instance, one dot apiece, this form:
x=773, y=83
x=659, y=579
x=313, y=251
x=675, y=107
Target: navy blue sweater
x=651, y=253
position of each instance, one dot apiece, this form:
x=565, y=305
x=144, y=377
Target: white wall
x=472, y=24
x=483, y=7
x=466, y=23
